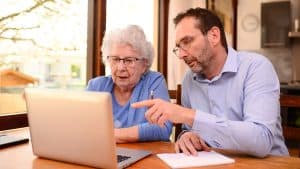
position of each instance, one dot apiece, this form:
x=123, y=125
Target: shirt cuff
x=206, y=125
x=181, y=133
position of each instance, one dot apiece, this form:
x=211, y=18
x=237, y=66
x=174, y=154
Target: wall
x=249, y=34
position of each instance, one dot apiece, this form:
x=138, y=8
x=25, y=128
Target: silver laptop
x=76, y=127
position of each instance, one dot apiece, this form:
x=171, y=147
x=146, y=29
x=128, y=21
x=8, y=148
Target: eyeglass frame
x=129, y=61
x=184, y=44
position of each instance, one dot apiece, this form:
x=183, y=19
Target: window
x=42, y=43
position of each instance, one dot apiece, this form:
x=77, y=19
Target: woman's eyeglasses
x=127, y=61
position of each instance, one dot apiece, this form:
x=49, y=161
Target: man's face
x=193, y=47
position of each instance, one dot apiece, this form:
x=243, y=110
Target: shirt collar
x=231, y=66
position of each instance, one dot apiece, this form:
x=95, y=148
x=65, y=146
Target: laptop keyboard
x=122, y=158
x=6, y=140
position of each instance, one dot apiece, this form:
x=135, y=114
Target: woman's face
x=127, y=66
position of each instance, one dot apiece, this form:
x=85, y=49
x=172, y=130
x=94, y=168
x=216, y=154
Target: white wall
x=248, y=12
x=251, y=40
x=248, y=40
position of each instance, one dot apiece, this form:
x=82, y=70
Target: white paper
x=180, y=160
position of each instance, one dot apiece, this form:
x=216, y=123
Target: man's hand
x=189, y=143
x=160, y=111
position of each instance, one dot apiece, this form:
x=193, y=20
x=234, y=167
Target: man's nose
x=182, y=53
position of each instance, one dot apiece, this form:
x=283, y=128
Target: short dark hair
x=206, y=20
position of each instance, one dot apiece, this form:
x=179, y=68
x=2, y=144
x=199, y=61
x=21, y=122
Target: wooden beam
x=234, y=31
x=100, y=26
x=163, y=37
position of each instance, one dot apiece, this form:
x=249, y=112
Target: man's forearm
x=245, y=136
x=187, y=115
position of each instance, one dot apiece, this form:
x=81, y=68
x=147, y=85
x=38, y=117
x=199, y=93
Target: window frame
x=96, y=12
x=95, y=67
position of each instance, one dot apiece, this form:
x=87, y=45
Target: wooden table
x=21, y=157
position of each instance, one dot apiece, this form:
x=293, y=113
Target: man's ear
x=214, y=36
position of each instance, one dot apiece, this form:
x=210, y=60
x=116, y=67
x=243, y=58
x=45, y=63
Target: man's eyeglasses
x=184, y=44
x=128, y=61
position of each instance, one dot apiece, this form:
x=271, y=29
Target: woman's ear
x=214, y=36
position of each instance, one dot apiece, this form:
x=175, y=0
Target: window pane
x=42, y=44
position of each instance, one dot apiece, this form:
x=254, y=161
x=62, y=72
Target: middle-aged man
x=230, y=98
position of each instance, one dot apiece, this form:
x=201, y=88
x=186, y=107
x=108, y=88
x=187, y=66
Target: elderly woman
x=129, y=56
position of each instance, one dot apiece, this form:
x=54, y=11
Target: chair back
x=290, y=133
x=176, y=96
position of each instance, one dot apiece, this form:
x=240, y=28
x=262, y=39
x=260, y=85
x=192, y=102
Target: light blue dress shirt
x=126, y=116
x=238, y=109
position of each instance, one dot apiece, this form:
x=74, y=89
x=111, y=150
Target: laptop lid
x=73, y=126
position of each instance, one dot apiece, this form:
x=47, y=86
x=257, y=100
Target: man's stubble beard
x=203, y=64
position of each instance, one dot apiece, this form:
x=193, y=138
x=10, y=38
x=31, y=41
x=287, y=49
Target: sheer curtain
x=176, y=67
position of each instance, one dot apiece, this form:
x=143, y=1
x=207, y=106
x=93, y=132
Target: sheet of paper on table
x=180, y=160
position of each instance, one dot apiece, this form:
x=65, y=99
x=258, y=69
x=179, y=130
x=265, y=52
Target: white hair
x=132, y=35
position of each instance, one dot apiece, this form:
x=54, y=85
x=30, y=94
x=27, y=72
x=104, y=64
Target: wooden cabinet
x=275, y=24
x=290, y=112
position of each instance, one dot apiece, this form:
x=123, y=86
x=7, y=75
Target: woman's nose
x=121, y=65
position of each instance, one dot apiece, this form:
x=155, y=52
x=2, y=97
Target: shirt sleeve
x=95, y=84
x=90, y=85
x=151, y=132
x=255, y=132
x=100, y=83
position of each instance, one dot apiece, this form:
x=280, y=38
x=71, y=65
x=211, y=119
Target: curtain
x=176, y=67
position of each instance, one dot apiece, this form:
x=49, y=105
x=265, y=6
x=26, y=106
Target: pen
x=151, y=94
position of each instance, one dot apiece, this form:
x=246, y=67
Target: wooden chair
x=176, y=95
x=290, y=133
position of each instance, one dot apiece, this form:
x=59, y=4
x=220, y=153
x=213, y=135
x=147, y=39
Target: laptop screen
x=74, y=126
